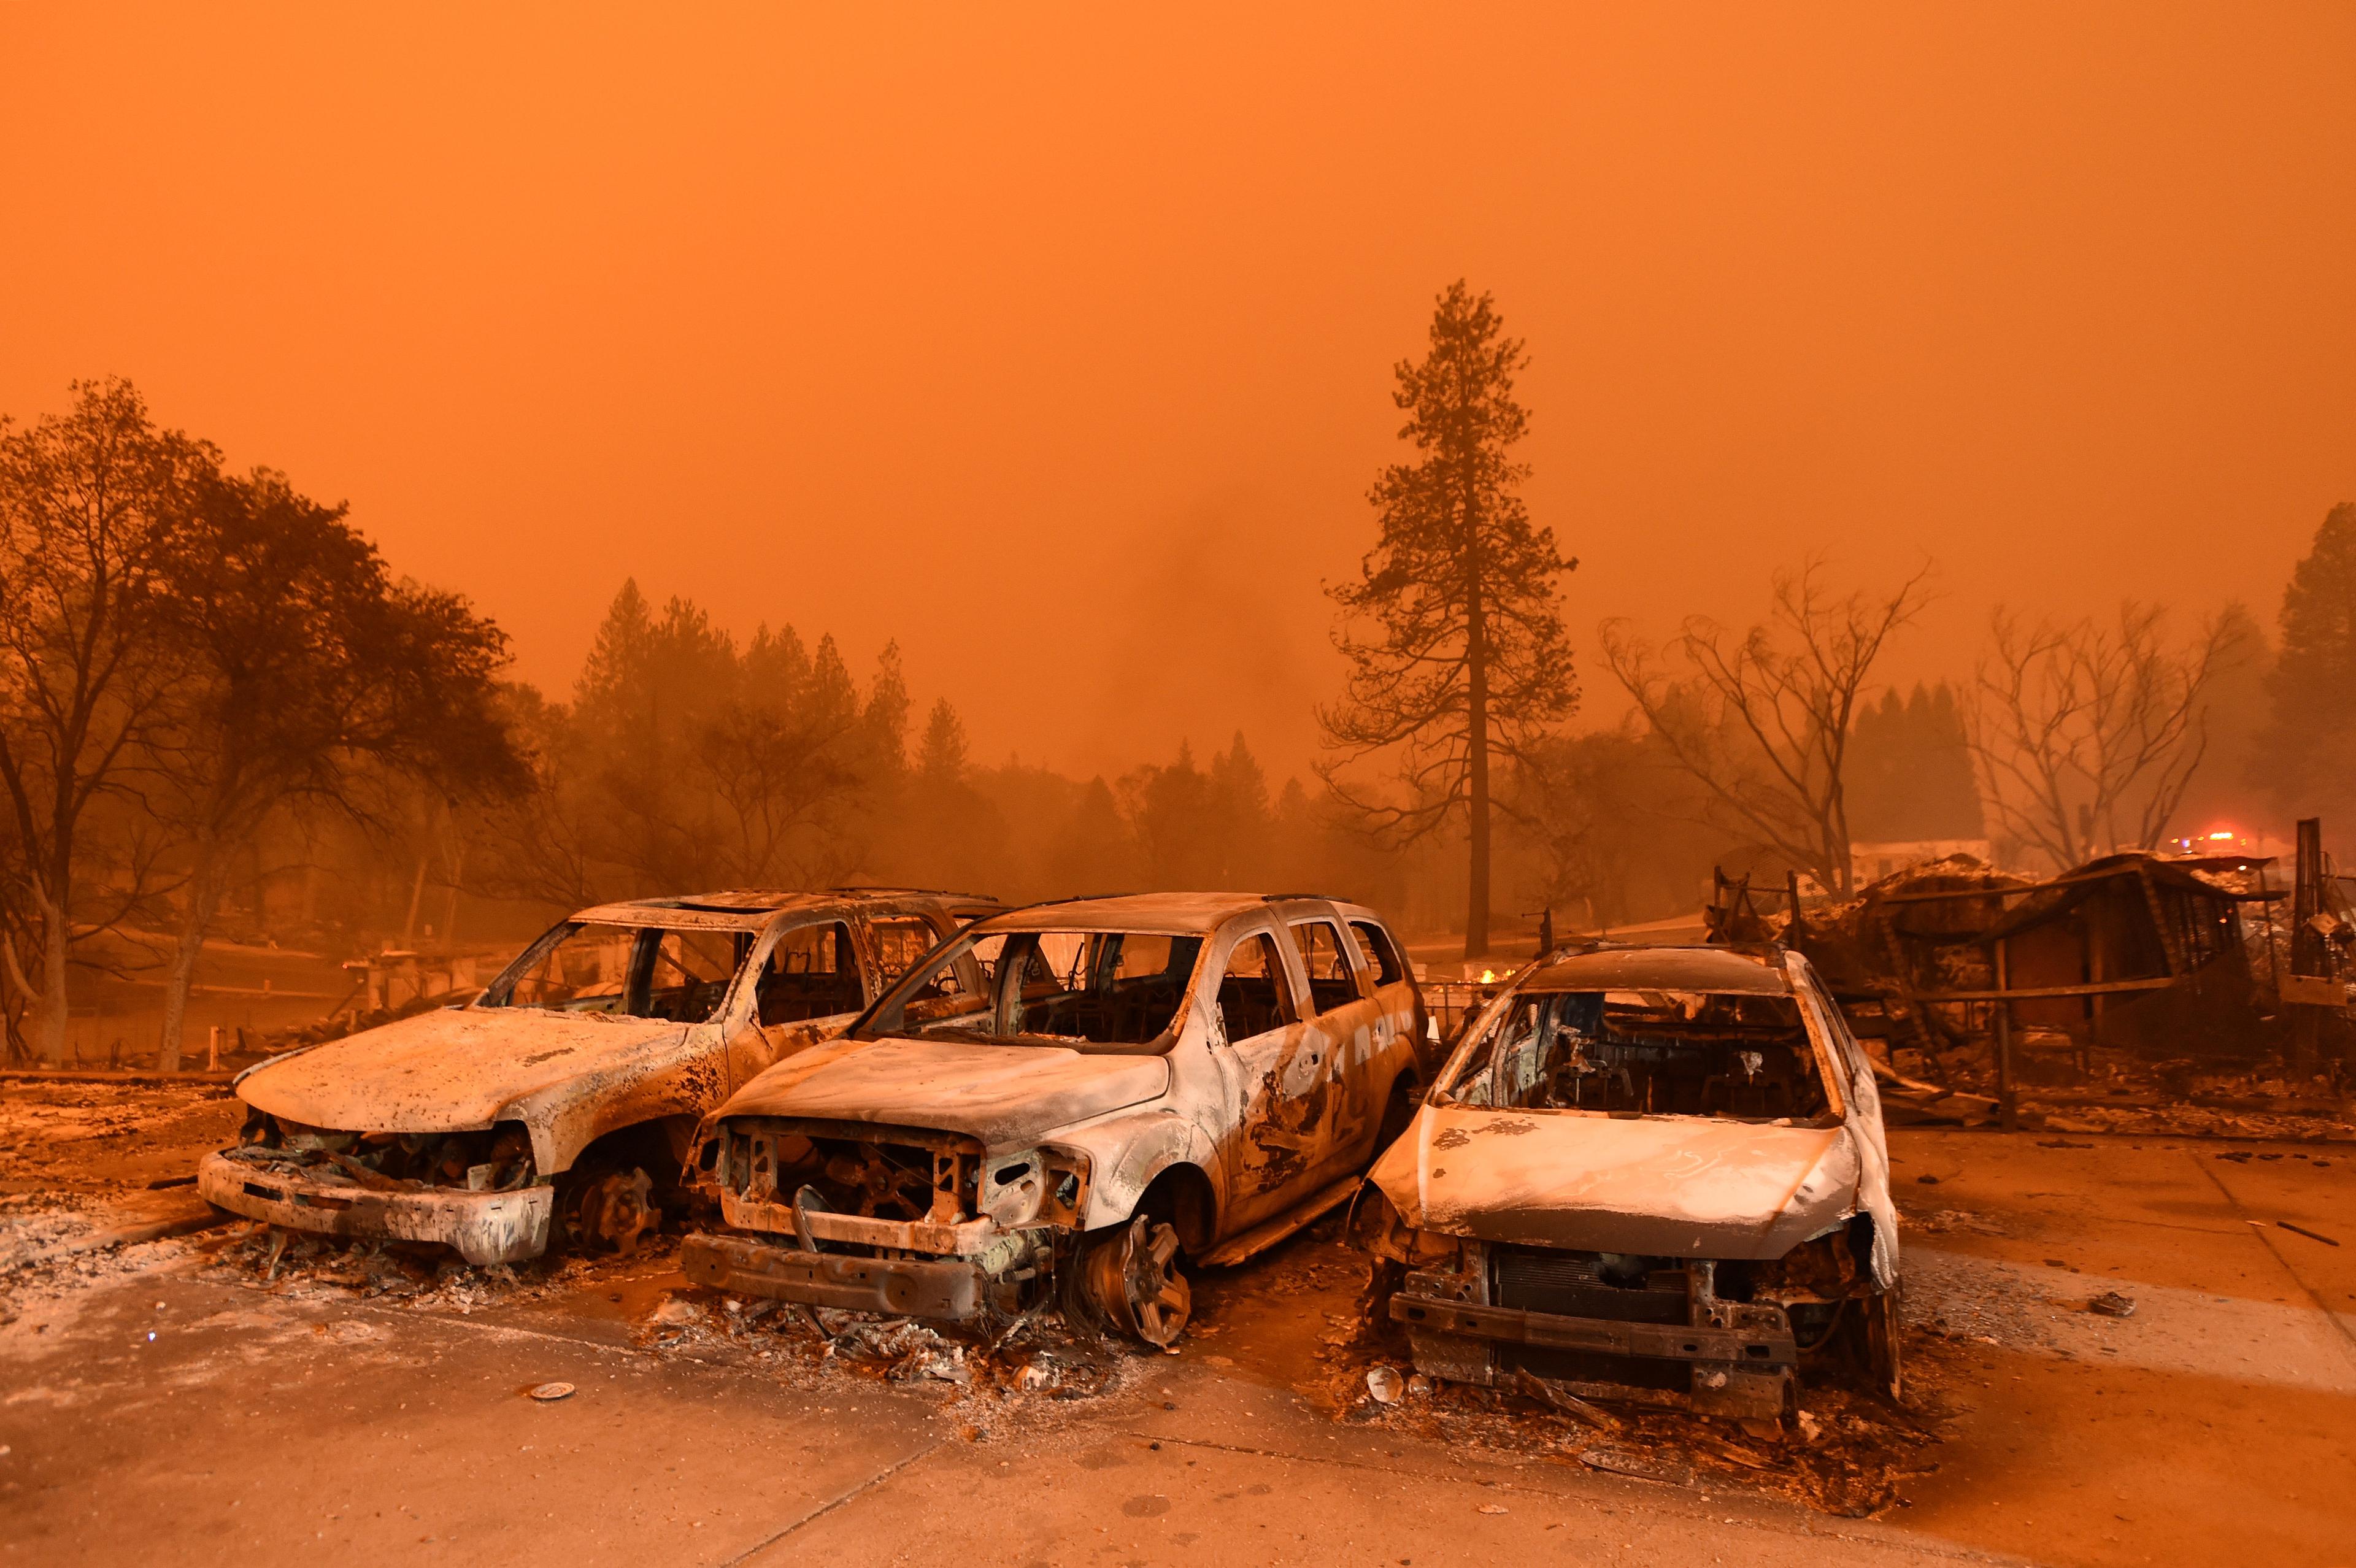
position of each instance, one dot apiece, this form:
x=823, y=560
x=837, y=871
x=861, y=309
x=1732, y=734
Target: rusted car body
x=1063, y=1099
x=567, y=1092
x=1656, y=1173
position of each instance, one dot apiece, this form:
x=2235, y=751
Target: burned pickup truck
x=1060, y=1101
x=563, y=1098
x=1655, y=1173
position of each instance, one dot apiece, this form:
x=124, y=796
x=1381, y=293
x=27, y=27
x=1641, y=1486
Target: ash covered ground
x=2024, y=1380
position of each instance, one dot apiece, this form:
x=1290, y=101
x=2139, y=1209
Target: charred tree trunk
x=181, y=977
x=20, y=1005
x=416, y=897
x=449, y=909
x=1476, y=911
x=57, y=945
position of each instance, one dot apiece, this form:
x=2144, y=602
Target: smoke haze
x=1056, y=345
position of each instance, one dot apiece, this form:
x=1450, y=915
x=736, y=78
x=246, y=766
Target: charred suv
x=1059, y=1103
x=1650, y=1173
x=563, y=1097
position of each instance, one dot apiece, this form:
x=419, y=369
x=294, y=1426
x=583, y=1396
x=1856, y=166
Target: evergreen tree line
x=685, y=760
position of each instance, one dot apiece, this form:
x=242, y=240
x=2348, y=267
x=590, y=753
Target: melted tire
x=1130, y=1281
x=609, y=1210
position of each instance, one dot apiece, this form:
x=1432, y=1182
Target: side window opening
x=812, y=972
x=688, y=973
x=900, y=942
x=1374, y=946
x=1255, y=997
x=936, y=1000
x=1332, y=981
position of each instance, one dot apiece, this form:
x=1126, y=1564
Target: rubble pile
x=2202, y=1058
x=1038, y=1354
x=1853, y=943
x=318, y=1267
x=1844, y=1452
x=1035, y=1356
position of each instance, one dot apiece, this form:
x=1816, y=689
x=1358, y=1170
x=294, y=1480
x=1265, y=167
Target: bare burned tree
x=1761, y=718
x=2072, y=726
x=1468, y=659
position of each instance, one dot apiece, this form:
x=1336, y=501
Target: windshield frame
x=1485, y=1037
x=747, y=934
x=958, y=951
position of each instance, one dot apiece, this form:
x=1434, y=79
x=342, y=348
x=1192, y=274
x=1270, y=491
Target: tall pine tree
x=1455, y=643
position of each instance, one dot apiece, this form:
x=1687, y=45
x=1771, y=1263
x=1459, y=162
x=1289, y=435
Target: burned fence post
x=2309, y=960
x=2006, y=1100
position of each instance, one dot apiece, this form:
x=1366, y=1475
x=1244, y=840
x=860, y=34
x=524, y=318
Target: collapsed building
x=1986, y=978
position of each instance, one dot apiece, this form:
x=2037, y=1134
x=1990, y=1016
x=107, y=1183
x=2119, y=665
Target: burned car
x=1655, y=1173
x=1063, y=1100
x=563, y=1098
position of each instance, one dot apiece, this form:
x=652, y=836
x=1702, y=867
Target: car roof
x=1658, y=969
x=1176, y=913
x=753, y=907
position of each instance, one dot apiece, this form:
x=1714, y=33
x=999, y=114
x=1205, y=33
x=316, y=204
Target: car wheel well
x=1399, y=1107
x=658, y=1147
x=1182, y=1198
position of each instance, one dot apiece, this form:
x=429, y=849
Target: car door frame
x=1278, y=1100
x=752, y=1048
x=1403, y=1008
x=1356, y=1035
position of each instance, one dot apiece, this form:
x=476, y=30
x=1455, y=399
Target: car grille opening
x=1571, y=1284
x=884, y=1174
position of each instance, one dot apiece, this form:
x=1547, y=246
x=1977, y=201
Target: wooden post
x=2097, y=971
x=2172, y=940
x=212, y=1049
x=2307, y=956
x=2267, y=910
x=2008, y=1103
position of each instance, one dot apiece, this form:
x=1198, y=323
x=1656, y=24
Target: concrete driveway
x=164, y=1402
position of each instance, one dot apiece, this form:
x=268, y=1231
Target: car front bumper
x=484, y=1227
x=944, y=1289
x=1740, y=1370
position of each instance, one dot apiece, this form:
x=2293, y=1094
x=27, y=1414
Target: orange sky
x=1057, y=346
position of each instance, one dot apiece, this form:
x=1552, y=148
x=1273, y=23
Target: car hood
x=455, y=1068
x=1006, y=1095
x=1665, y=1185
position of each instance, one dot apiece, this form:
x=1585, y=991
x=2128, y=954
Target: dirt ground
x=192, y=1399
